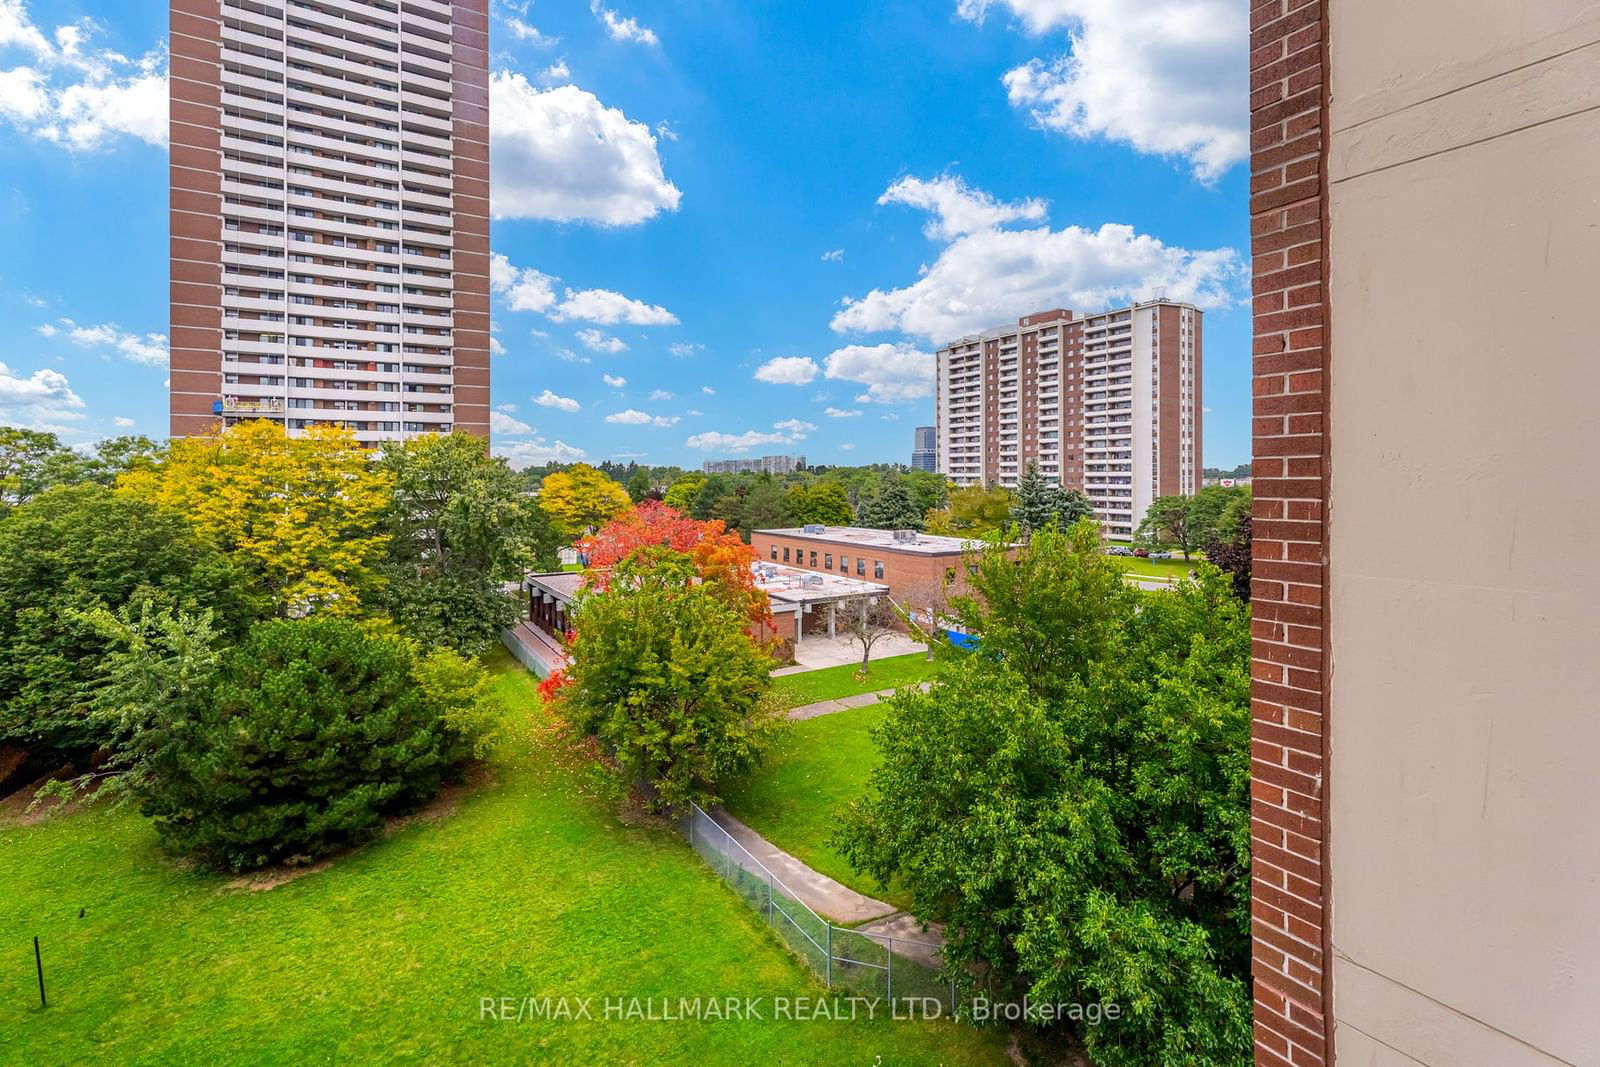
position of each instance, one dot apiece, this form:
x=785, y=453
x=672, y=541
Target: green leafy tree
x=639, y=484
x=681, y=494
x=32, y=461
x=972, y=511
x=72, y=550
x=666, y=677
x=313, y=732
x=766, y=507
x=711, y=491
x=459, y=527
x=890, y=508
x=825, y=501
x=1088, y=773
x=929, y=491
x=1167, y=522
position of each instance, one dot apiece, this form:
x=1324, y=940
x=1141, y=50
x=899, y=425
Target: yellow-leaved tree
x=301, y=515
x=581, y=499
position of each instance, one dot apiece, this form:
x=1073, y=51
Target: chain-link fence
x=896, y=970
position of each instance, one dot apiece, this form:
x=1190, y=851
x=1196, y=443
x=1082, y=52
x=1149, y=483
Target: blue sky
x=760, y=218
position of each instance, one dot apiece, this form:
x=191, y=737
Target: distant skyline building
x=925, y=448
x=330, y=215
x=1107, y=403
x=762, y=465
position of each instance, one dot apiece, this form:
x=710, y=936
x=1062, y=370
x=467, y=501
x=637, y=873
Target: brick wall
x=1288, y=751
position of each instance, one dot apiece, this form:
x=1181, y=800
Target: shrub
x=315, y=731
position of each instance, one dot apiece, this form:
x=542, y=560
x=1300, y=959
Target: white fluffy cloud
x=521, y=454
x=528, y=33
x=560, y=154
x=39, y=401
x=790, y=431
x=787, y=370
x=956, y=208
x=684, y=349
x=660, y=394
x=121, y=422
x=547, y=399
x=148, y=349
x=622, y=29
x=614, y=381
x=595, y=341
x=708, y=391
x=991, y=276
x=1168, y=77
x=496, y=347
x=633, y=417
x=524, y=288
x=834, y=256
x=839, y=413
x=891, y=372
x=499, y=422
x=794, y=426
x=610, y=308
x=82, y=99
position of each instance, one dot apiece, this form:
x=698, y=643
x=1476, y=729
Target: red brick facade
x=1288, y=188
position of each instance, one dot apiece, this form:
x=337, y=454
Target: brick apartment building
x=1110, y=404
x=1427, y=580
x=910, y=564
x=330, y=215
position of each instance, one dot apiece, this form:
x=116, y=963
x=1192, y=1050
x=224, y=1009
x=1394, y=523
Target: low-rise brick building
x=909, y=563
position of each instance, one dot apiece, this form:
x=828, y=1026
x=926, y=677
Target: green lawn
x=1159, y=568
x=831, y=683
x=820, y=765
x=530, y=888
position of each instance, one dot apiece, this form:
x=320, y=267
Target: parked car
x=1118, y=550
x=1142, y=553
x=1161, y=555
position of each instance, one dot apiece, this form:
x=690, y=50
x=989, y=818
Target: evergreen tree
x=1041, y=502
x=890, y=508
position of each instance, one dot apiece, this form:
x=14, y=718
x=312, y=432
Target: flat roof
x=563, y=585
x=881, y=540
x=791, y=585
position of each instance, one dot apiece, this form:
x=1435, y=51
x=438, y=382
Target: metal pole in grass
x=830, y=955
x=38, y=963
x=890, y=973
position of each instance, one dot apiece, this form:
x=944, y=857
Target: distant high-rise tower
x=1108, y=403
x=925, y=449
x=330, y=215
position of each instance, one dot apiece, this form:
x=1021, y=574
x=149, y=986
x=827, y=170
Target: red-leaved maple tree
x=719, y=556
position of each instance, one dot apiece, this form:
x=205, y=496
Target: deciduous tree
x=460, y=528
x=302, y=516
x=665, y=676
x=973, y=511
x=72, y=550
x=824, y=501
x=1072, y=802
x=581, y=499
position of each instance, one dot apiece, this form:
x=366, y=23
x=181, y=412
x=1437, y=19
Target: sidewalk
x=828, y=707
x=816, y=891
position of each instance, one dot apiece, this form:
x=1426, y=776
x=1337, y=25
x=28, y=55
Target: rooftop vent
x=815, y=528
x=814, y=581
x=906, y=537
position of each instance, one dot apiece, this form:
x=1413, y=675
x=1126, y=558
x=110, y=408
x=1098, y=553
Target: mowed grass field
x=831, y=683
x=530, y=887
x=818, y=767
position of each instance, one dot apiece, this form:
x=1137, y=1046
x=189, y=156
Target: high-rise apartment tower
x=1107, y=403
x=925, y=448
x=330, y=215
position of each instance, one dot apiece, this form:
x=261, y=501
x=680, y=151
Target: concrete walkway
x=829, y=707
x=819, y=651
x=816, y=891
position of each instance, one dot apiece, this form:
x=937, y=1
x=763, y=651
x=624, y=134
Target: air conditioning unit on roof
x=815, y=528
x=906, y=537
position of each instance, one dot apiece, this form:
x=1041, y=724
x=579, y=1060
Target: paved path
x=828, y=707
x=815, y=890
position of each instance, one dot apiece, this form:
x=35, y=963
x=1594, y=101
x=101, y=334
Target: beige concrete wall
x=1464, y=597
